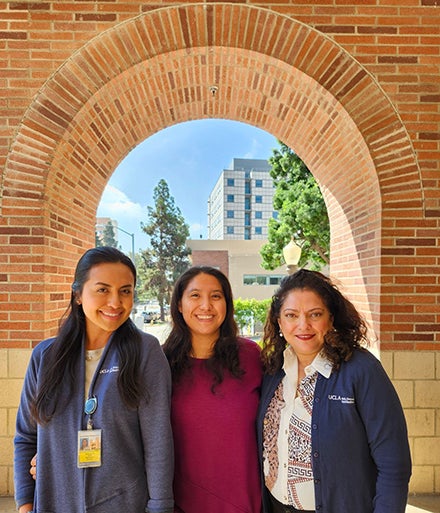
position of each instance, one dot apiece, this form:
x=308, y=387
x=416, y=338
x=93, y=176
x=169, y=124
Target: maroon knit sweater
x=215, y=439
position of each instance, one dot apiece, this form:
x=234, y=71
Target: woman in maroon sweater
x=216, y=390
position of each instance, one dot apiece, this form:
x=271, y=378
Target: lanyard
x=91, y=403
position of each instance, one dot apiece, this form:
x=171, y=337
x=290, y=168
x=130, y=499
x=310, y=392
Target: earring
x=281, y=334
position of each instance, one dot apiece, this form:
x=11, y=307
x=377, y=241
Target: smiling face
x=304, y=320
x=203, y=307
x=107, y=301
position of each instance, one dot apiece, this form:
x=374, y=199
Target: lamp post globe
x=291, y=254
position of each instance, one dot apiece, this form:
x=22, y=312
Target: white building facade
x=240, y=204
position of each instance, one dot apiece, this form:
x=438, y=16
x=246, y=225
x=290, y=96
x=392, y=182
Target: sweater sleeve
x=386, y=430
x=25, y=440
x=155, y=424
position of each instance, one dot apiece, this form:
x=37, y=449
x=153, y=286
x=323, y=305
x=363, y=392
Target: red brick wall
x=353, y=88
x=218, y=259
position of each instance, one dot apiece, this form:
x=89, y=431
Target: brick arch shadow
x=156, y=70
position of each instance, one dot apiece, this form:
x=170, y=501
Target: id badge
x=89, y=448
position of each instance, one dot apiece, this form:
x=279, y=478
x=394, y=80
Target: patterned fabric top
x=287, y=435
x=270, y=437
x=300, y=442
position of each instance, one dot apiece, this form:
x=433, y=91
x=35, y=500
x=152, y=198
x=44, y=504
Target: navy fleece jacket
x=136, y=474
x=360, y=453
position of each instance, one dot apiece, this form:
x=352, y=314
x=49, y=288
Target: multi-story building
x=240, y=204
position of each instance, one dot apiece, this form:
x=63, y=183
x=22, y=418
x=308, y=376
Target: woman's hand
x=26, y=508
x=33, y=473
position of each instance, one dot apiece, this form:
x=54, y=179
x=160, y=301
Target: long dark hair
x=349, y=329
x=64, y=352
x=177, y=346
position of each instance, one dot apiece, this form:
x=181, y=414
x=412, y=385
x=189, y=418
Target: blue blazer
x=360, y=453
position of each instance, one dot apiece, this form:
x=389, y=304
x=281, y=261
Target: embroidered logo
x=342, y=399
x=115, y=368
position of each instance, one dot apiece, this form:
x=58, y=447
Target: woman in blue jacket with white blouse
x=331, y=429
x=95, y=404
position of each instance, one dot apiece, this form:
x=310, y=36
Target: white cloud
x=128, y=214
x=115, y=203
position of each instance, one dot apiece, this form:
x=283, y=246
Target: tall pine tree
x=167, y=256
x=108, y=236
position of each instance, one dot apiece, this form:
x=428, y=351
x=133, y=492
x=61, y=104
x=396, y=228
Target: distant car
x=148, y=316
x=151, y=316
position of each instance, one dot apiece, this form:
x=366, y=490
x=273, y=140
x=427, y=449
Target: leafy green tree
x=167, y=256
x=108, y=236
x=302, y=214
x=249, y=312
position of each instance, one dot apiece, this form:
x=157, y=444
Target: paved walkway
x=420, y=504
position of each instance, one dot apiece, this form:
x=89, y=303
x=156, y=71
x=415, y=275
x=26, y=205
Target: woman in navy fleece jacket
x=102, y=381
x=331, y=430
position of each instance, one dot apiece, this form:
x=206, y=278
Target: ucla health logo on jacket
x=342, y=399
x=115, y=368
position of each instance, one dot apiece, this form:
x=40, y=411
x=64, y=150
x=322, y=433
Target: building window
x=230, y=214
x=230, y=198
x=262, y=279
x=230, y=182
x=247, y=218
x=247, y=233
x=258, y=183
x=247, y=203
x=258, y=199
x=229, y=230
x=275, y=214
x=258, y=214
x=247, y=188
x=258, y=230
x=254, y=279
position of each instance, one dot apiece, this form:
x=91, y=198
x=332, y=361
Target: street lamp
x=132, y=240
x=132, y=258
x=291, y=254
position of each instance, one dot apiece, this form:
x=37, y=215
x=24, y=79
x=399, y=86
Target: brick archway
x=156, y=70
x=341, y=83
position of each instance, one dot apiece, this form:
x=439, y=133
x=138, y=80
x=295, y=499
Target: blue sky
x=190, y=156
